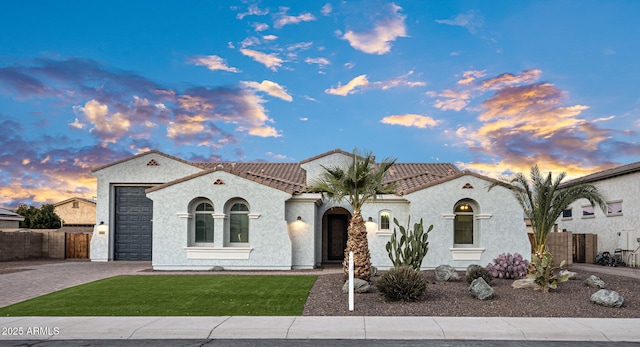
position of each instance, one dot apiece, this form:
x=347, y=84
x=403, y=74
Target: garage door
x=134, y=212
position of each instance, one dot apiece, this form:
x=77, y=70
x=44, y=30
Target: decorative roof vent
x=218, y=182
x=153, y=162
x=467, y=186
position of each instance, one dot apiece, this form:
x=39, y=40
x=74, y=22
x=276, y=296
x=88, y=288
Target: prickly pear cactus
x=509, y=266
x=411, y=247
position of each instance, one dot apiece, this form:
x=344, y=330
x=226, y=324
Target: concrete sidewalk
x=357, y=328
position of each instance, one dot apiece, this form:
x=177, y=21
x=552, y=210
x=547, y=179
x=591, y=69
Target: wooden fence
x=78, y=246
x=561, y=247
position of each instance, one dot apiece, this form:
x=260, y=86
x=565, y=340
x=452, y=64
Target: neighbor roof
x=72, y=199
x=8, y=215
x=605, y=174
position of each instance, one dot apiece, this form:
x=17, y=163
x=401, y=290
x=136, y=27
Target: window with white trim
x=464, y=228
x=202, y=224
x=238, y=223
x=614, y=208
x=385, y=220
x=567, y=213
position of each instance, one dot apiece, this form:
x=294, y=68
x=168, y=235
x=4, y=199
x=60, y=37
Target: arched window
x=239, y=223
x=385, y=220
x=464, y=225
x=203, y=223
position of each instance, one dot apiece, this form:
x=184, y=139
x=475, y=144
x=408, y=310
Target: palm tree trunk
x=358, y=244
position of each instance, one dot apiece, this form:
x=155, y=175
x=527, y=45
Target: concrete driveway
x=34, y=280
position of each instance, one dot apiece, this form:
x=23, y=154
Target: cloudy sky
x=492, y=86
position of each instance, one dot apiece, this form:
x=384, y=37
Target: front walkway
x=294, y=328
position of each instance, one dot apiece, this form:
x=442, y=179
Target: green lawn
x=220, y=295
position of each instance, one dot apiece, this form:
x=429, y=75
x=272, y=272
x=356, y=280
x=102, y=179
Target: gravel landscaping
x=571, y=299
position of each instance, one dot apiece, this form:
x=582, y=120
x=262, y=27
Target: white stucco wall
x=624, y=188
x=302, y=232
x=315, y=168
x=499, y=221
x=132, y=172
x=269, y=241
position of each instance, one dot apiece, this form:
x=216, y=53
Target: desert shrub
x=508, y=266
x=402, y=284
x=474, y=271
x=412, y=246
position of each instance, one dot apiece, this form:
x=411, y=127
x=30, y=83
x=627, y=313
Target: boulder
x=607, y=298
x=594, y=282
x=480, y=289
x=217, y=268
x=359, y=286
x=526, y=283
x=570, y=274
x=446, y=273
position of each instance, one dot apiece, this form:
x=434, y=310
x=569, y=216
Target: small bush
x=402, y=284
x=508, y=266
x=474, y=271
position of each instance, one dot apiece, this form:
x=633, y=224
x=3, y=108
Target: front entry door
x=337, y=240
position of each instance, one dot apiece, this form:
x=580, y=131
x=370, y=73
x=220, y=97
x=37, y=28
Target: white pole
x=350, y=281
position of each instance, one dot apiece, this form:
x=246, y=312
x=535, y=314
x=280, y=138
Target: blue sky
x=492, y=86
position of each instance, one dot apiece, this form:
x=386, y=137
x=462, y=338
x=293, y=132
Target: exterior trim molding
x=185, y=215
x=217, y=253
x=466, y=253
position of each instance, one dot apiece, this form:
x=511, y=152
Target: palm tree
x=360, y=182
x=543, y=200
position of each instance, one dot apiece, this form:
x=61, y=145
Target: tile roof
x=291, y=178
x=9, y=215
x=601, y=175
x=411, y=177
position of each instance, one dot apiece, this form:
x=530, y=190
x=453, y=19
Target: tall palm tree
x=360, y=182
x=543, y=200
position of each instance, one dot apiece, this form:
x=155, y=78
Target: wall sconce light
x=299, y=218
x=370, y=219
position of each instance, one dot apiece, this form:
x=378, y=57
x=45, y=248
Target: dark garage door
x=134, y=212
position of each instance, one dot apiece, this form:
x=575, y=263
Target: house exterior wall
x=400, y=209
x=270, y=246
x=131, y=172
x=302, y=232
x=499, y=222
x=315, y=168
x=625, y=189
x=85, y=213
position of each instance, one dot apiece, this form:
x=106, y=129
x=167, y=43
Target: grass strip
x=174, y=295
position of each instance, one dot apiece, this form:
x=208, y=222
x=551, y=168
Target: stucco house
x=76, y=211
x=616, y=228
x=257, y=215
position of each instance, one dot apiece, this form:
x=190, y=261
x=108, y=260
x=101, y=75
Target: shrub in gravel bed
x=402, y=284
x=508, y=266
x=474, y=271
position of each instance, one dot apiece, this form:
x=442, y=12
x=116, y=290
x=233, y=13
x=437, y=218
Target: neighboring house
x=257, y=215
x=9, y=220
x=76, y=212
x=619, y=227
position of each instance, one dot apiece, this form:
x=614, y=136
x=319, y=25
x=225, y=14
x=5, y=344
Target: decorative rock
x=446, y=273
x=359, y=286
x=594, y=282
x=608, y=298
x=480, y=289
x=571, y=275
x=217, y=268
x=526, y=283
